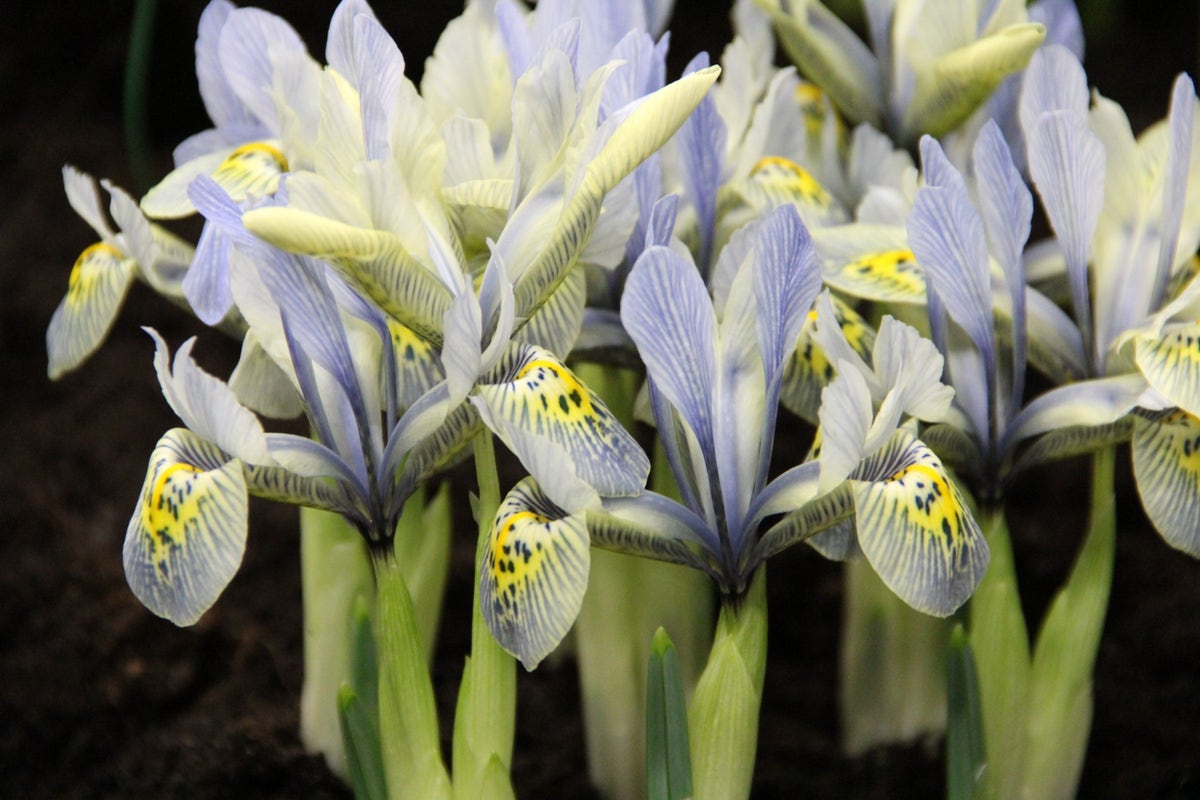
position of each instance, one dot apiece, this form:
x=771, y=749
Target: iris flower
x=186, y=539
x=1126, y=218
x=246, y=58
x=715, y=372
x=104, y=271
x=927, y=67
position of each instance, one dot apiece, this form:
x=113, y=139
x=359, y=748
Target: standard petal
x=250, y=41
x=916, y=530
x=947, y=236
x=1166, y=465
x=85, y=200
x=668, y=314
x=187, y=536
x=1067, y=164
x=533, y=574
x=96, y=289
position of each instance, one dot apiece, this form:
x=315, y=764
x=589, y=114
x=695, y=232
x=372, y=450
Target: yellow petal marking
x=894, y=272
x=574, y=399
x=919, y=535
x=533, y=575
x=88, y=269
x=168, y=511
x=782, y=176
x=253, y=168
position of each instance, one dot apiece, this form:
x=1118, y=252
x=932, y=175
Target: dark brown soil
x=100, y=699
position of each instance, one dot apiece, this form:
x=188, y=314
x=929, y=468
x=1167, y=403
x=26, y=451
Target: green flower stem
x=1060, y=687
x=423, y=549
x=485, y=718
x=408, y=725
x=1037, y=710
x=1001, y=645
x=892, y=665
x=723, y=715
x=335, y=571
x=628, y=599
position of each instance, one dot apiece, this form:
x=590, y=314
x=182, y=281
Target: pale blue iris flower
x=186, y=539
x=1126, y=217
x=715, y=371
x=927, y=66
x=250, y=65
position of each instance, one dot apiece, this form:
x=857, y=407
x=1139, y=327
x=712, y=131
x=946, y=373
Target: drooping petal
x=1099, y=401
x=823, y=522
x=187, y=536
x=1171, y=364
x=96, y=289
x=533, y=574
x=1073, y=440
x=889, y=274
x=533, y=390
x=1166, y=464
x=915, y=528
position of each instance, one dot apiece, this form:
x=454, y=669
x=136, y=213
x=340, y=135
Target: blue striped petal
x=532, y=390
x=668, y=314
x=96, y=289
x=915, y=528
x=533, y=574
x=186, y=538
x=1166, y=464
x=947, y=236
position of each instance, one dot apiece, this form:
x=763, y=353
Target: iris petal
x=187, y=536
x=533, y=574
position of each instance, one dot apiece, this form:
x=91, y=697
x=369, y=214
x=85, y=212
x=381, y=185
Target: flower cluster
x=411, y=267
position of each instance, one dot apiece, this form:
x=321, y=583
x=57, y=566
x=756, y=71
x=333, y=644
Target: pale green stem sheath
x=892, y=665
x=723, y=714
x=423, y=549
x=1060, y=687
x=408, y=724
x=485, y=718
x=627, y=600
x=334, y=571
x=1001, y=645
